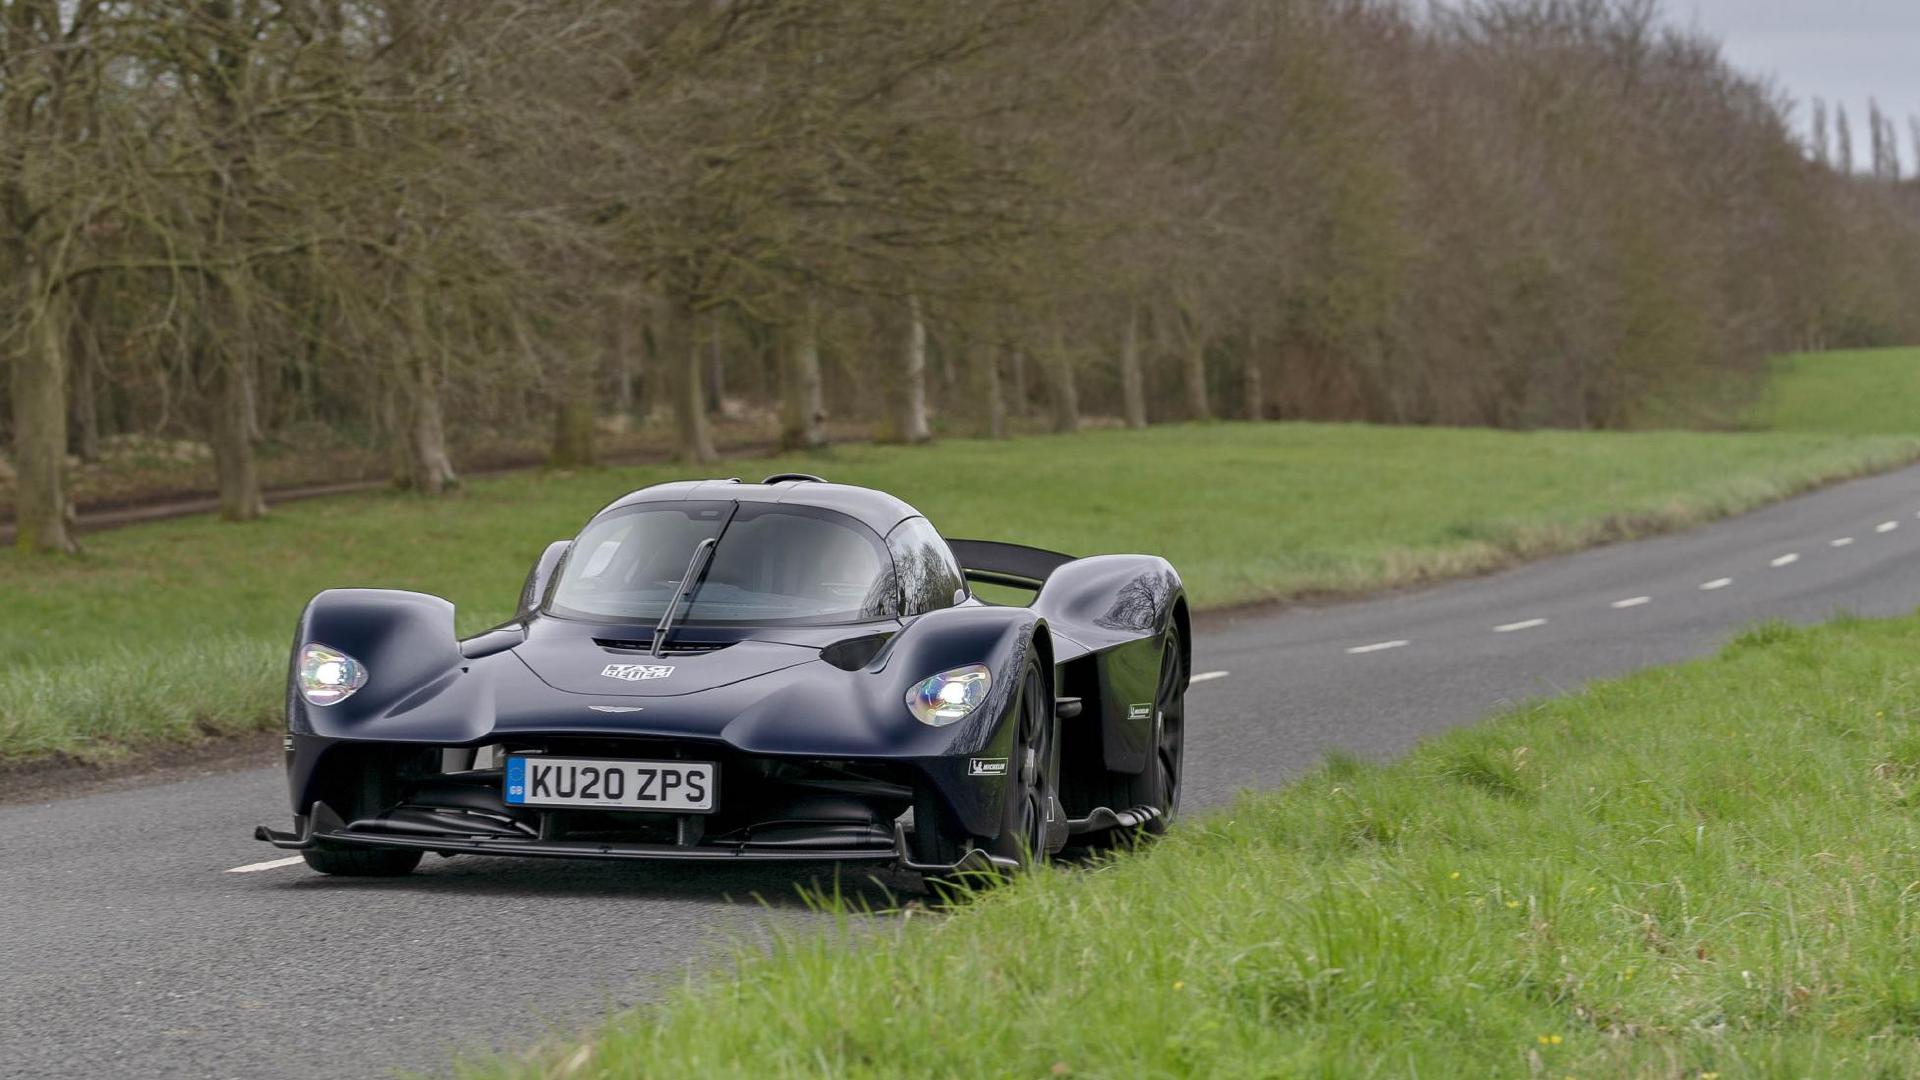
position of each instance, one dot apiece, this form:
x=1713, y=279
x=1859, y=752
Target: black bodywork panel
x=816, y=753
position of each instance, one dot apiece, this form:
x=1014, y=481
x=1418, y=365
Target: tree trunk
x=692, y=441
x=913, y=379
x=1250, y=380
x=988, y=359
x=422, y=434
x=233, y=424
x=572, y=431
x=429, y=470
x=1194, y=367
x=716, y=371
x=40, y=428
x=1063, y=396
x=225, y=350
x=1017, y=393
x=85, y=434
x=620, y=364
x=946, y=364
x=1133, y=395
x=803, y=409
x=658, y=369
x=436, y=473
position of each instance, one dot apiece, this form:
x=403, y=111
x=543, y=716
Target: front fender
x=405, y=641
x=1003, y=639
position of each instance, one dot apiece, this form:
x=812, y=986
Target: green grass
x=1866, y=391
x=1707, y=869
x=168, y=632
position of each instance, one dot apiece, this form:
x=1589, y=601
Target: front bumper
x=324, y=827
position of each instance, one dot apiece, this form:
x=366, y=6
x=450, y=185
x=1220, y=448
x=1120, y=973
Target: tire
x=1158, y=785
x=362, y=862
x=1033, y=776
x=1030, y=790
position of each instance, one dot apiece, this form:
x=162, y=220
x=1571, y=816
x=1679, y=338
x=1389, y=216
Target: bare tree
x=803, y=410
x=1193, y=364
x=50, y=117
x=1842, y=139
x=910, y=424
x=411, y=221
x=686, y=386
x=1822, y=148
x=1252, y=380
x=1886, y=155
x=1133, y=395
x=1063, y=391
x=83, y=351
x=986, y=361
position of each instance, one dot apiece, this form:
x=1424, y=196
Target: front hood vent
x=854, y=653
x=674, y=647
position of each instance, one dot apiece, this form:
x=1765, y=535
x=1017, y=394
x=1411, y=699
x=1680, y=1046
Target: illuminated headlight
x=950, y=695
x=328, y=676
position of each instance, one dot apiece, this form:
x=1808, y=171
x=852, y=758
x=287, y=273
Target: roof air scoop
x=794, y=477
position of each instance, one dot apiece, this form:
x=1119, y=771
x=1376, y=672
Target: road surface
x=130, y=946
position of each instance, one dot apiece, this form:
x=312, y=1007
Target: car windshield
x=773, y=564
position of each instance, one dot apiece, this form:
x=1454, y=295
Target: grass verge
x=170, y=632
x=1699, y=870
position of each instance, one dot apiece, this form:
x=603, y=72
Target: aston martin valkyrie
x=716, y=670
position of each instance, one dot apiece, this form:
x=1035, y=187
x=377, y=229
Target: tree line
x=409, y=219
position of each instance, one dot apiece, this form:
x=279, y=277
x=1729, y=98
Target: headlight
x=950, y=695
x=328, y=676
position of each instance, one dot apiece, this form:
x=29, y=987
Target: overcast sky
x=1843, y=50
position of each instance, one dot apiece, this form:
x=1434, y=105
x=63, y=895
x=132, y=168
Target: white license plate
x=678, y=786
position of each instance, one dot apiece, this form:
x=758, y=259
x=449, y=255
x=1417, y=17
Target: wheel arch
x=1043, y=649
x=1183, y=626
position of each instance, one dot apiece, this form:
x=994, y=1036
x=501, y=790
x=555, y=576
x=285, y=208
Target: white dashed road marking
x=274, y=865
x=1783, y=559
x=1378, y=646
x=1208, y=676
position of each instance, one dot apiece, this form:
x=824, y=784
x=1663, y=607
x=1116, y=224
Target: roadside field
x=1858, y=391
x=169, y=632
x=1698, y=870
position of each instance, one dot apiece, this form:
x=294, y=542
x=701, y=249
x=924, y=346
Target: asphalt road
x=128, y=947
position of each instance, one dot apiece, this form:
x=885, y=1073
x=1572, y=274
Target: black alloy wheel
x=1032, y=776
x=1169, y=737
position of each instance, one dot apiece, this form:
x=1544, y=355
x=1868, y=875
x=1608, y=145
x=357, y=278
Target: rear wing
x=993, y=563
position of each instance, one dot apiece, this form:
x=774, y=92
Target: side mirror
x=541, y=576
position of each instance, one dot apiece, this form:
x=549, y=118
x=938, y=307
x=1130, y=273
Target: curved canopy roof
x=878, y=510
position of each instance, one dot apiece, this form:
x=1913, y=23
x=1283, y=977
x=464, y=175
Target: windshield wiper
x=696, y=573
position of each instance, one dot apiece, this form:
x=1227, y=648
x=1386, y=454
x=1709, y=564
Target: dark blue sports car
x=717, y=670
